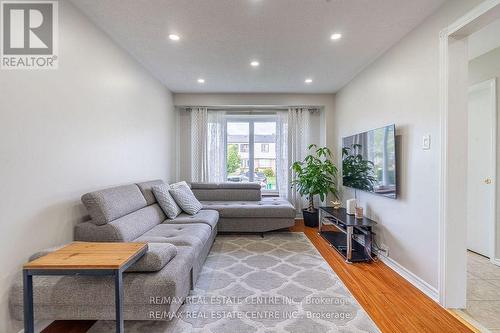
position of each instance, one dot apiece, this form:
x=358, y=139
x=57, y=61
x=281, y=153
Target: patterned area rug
x=279, y=283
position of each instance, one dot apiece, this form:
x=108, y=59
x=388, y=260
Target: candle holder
x=359, y=213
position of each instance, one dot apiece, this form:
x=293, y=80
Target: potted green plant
x=315, y=175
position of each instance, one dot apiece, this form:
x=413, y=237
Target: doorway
x=483, y=277
x=468, y=218
x=481, y=167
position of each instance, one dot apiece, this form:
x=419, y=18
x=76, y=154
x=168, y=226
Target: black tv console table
x=348, y=225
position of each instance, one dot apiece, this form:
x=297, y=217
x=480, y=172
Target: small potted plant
x=315, y=175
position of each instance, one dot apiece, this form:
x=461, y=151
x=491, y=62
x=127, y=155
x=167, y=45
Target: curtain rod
x=252, y=107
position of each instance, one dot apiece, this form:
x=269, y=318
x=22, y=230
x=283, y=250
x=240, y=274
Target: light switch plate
x=426, y=142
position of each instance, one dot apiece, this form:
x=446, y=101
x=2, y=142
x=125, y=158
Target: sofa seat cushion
x=210, y=217
x=265, y=208
x=195, y=235
x=156, y=257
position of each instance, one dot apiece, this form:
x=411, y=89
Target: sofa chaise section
x=242, y=208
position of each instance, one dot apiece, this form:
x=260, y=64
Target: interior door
x=481, y=167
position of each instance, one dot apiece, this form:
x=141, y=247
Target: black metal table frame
x=29, y=325
x=349, y=231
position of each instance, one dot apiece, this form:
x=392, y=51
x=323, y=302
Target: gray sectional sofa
x=130, y=213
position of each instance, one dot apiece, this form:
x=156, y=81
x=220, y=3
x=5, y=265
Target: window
x=244, y=148
x=251, y=150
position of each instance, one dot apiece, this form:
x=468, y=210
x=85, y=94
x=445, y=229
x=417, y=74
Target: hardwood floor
x=393, y=303
x=69, y=326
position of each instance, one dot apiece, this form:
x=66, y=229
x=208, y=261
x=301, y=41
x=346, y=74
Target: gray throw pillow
x=155, y=258
x=165, y=200
x=183, y=183
x=185, y=198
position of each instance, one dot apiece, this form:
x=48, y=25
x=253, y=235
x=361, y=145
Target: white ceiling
x=290, y=39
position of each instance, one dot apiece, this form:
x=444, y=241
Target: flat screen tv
x=369, y=161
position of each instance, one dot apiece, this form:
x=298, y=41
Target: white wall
x=402, y=87
x=485, y=40
x=321, y=136
x=98, y=121
x=483, y=68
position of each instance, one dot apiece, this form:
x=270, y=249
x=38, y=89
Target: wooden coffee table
x=82, y=258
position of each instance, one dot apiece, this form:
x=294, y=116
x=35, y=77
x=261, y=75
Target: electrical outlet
x=383, y=250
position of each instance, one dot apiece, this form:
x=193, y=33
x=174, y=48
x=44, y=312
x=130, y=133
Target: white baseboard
x=406, y=274
x=495, y=261
x=40, y=325
x=412, y=278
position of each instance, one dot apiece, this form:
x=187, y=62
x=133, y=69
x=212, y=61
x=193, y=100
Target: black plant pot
x=311, y=219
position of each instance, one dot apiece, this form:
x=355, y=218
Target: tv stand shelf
x=348, y=226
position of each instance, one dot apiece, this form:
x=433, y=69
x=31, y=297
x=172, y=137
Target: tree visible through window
x=233, y=158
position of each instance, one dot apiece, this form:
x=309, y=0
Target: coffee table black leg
x=119, y=300
x=29, y=326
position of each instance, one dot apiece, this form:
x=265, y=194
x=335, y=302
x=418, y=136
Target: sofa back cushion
x=227, y=191
x=110, y=204
x=147, y=189
x=123, y=229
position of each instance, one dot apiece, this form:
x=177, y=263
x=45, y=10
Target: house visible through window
x=251, y=150
x=244, y=148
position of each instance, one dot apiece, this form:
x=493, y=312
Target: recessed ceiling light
x=174, y=37
x=336, y=36
x=254, y=63
x=308, y=81
x=201, y=80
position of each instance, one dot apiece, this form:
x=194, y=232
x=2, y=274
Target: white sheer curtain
x=208, y=147
x=208, y=155
x=283, y=171
x=216, y=146
x=199, y=144
x=292, y=139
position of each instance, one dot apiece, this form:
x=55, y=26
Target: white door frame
x=452, y=224
x=491, y=85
